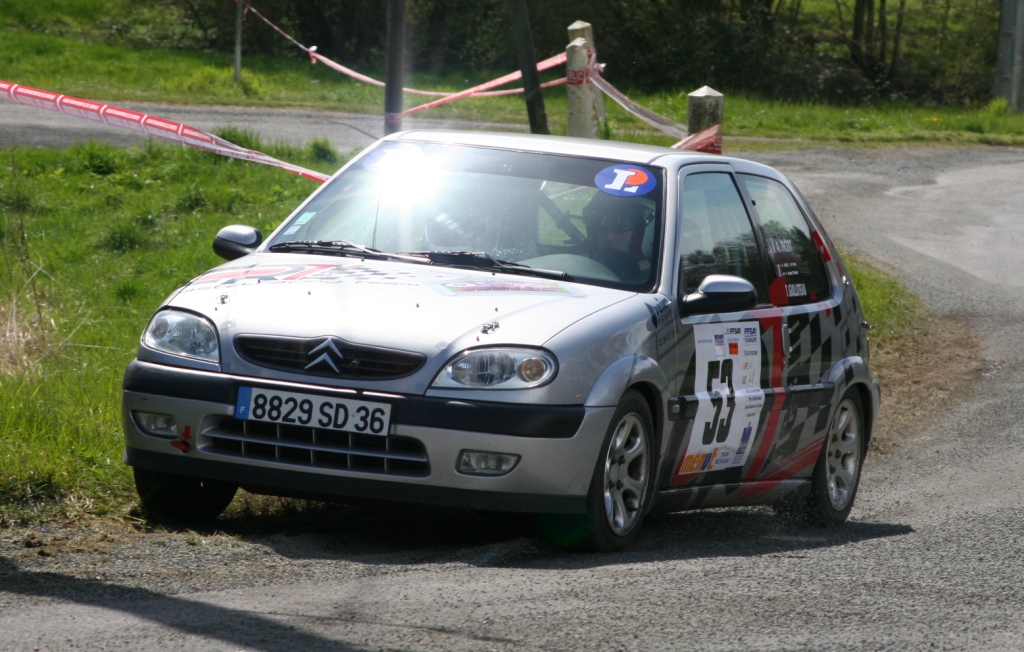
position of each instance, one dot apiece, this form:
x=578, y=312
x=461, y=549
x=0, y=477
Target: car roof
x=588, y=147
x=549, y=144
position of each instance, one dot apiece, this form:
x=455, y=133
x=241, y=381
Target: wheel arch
x=652, y=396
x=870, y=405
x=853, y=373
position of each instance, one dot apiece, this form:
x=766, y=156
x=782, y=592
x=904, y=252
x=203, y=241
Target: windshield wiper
x=483, y=260
x=341, y=248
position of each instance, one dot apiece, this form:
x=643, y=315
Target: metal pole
x=528, y=65
x=1009, y=82
x=1016, y=97
x=393, y=80
x=238, y=41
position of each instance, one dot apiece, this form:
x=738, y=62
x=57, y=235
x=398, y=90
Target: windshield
x=597, y=221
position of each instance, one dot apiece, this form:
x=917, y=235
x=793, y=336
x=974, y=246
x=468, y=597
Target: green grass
x=93, y=239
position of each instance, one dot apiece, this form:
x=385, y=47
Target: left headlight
x=498, y=368
x=182, y=333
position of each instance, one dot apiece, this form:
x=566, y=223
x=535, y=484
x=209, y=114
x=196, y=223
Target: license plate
x=310, y=410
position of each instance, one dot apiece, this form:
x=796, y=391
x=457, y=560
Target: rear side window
x=717, y=235
x=799, y=274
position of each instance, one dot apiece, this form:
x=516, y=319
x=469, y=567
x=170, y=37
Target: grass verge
x=93, y=238
x=923, y=361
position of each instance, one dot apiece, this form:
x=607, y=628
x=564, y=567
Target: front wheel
x=182, y=498
x=620, y=490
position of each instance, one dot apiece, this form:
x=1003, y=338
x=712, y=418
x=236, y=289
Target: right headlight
x=498, y=368
x=182, y=333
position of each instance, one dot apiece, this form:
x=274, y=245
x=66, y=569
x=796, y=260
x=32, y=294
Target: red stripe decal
x=773, y=321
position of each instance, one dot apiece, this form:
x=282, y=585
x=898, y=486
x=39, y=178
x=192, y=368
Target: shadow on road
x=201, y=619
x=428, y=535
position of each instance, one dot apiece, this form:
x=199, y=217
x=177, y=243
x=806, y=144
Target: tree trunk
x=883, y=32
x=897, y=41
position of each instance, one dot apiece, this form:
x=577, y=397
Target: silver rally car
x=583, y=329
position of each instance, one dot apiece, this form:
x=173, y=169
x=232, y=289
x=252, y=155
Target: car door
x=814, y=325
x=731, y=388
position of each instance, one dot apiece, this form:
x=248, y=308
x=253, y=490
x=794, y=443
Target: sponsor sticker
x=475, y=286
x=625, y=181
x=796, y=290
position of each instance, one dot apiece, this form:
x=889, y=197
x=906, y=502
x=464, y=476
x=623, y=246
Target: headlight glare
x=182, y=333
x=499, y=368
x=484, y=369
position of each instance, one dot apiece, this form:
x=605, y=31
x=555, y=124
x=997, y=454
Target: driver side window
x=716, y=234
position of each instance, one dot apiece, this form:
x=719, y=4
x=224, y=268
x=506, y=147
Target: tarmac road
x=933, y=557
x=28, y=126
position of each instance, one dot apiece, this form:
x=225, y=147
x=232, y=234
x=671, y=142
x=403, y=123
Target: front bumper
x=558, y=445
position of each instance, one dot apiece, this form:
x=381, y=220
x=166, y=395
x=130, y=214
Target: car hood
x=423, y=308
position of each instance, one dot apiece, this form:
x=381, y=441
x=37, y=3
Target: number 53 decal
x=729, y=396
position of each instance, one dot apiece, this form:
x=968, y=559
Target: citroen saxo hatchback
x=578, y=328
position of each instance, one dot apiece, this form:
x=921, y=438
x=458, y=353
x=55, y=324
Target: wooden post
x=582, y=101
x=1009, y=83
x=394, y=74
x=528, y=65
x=584, y=30
x=239, y=10
x=704, y=109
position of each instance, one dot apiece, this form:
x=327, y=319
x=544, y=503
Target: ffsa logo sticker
x=623, y=181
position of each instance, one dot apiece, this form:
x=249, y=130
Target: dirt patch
x=921, y=375
x=22, y=340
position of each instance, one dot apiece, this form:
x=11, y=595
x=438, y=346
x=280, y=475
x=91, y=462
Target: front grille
x=331, y=357
x=317, y=448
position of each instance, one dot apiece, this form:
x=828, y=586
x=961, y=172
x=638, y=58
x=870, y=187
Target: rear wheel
x=837, y=473
x=182, y=498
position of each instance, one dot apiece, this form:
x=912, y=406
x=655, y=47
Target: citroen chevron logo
x=328, y=353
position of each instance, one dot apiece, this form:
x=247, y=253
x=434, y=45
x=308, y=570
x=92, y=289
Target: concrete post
x=584, y=30
x=704, y=109
x=582, y=101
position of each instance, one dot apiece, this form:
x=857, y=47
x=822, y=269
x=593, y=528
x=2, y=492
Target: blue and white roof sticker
x=625, y=181
x=392, y=154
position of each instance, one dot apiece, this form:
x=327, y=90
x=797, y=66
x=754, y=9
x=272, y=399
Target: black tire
x=620, y=489
x=182, y=498
x=837, y=473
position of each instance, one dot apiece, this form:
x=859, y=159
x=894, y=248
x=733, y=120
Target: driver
x=617, y=226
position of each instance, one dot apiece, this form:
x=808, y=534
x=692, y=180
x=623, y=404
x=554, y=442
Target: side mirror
x=720, y=293
x=236, y=241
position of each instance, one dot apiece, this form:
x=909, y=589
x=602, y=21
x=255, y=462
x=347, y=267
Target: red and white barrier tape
x=707, y=140
x=657, y=121
x=550, y=62
x=476, y=91
x=142, y=123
